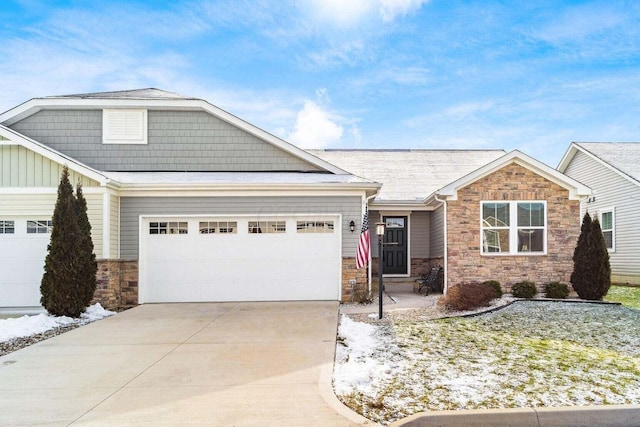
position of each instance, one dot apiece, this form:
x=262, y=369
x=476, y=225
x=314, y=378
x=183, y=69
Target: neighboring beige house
x=612, y=170
x=189, y=203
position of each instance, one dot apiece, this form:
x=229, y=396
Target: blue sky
x=525, y=75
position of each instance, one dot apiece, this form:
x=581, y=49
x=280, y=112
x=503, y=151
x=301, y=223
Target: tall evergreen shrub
x=87, y=265
x=591, y=277
x=66, y=287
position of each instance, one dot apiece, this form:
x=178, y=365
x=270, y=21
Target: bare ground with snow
x=529, y=354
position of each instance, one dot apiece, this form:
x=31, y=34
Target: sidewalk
x=397, y=296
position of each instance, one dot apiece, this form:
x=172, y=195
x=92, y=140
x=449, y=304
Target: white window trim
x=140, y=136
x=613, y=226
x=513, y=229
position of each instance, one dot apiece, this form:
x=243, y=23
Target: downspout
x=446, y=247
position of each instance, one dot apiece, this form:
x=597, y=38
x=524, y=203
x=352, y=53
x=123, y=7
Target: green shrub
x=495, y=285
x=524, y=289
x=591, y=276
x=69, y=278
x=467, y=296
x=556, y=290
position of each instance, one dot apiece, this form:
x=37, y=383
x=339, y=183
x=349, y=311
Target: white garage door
x=23, y=248
x=240, y=259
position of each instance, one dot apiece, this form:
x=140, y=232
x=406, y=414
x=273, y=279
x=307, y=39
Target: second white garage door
x=279, y=258
x=23, y=248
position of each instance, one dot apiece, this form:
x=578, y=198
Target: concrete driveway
x=231, y=364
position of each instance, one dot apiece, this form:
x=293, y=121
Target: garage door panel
x=241, y=266
x=22, y=258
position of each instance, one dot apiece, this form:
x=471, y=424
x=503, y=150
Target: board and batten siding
x=114, y=226
x=41, y=206
x=132, y=207
x=436, y=229
x=177, y=141
x=24, y=168
x=613, y=191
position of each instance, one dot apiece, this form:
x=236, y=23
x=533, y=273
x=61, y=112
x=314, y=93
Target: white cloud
x=315, y=127
x=341, y=13
x=391, y=9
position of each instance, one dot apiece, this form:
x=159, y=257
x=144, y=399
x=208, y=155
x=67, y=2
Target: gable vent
x=124, y=126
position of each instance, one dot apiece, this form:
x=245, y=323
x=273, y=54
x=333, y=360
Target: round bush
x=556, y=290
x=524, y=289
x=467, y=296
x=495, y=285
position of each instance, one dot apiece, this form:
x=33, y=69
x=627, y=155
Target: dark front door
x=395, y=255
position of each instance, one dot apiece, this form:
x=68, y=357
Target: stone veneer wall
x=350, y=272
x=117, y=283
x=512, y=182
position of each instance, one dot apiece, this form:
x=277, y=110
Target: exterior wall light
x=352, y=226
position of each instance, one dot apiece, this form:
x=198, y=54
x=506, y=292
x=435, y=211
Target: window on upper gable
x=607, y=224
x=513, y=228
x=124, y=126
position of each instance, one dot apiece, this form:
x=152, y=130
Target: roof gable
x=576, y=190
x=623, y=158
x=155, y=99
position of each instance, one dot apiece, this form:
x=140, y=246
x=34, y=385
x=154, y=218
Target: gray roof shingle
x=624, y=156
x=146, y=93
x=409, y=175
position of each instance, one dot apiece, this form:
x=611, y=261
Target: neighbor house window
x=314, y=227
x=124, y=126
x=168, y=227
x=607, y=223
x=39, y=227
x=513, y=227
x=272, y=227
x=220, y=227
x=7, y=227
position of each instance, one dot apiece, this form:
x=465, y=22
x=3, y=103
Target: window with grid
x=220, y=227
x=39, y=226
x=7, y=227
x=314, y=227
x=607, y=226
x=268, y=227
x=513, y=227
x=168, y=227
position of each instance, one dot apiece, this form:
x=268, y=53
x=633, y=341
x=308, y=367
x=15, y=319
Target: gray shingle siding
x=132, y=207
x=437, y=233
x=177, y=141
x=612, y=191
x=419, y=238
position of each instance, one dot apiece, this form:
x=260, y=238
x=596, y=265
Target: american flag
x=364, y=244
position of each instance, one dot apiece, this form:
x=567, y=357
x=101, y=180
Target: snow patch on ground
x=25, y=326
x=529, y=354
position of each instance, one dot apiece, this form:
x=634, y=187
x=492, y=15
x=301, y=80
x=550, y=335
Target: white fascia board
x=15, y=138
x=573, y=150
x=577, y=191
x=34, y=105
x=209, y=192
x=568, y=156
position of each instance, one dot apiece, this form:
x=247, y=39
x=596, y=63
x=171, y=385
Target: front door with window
x=395, y=255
